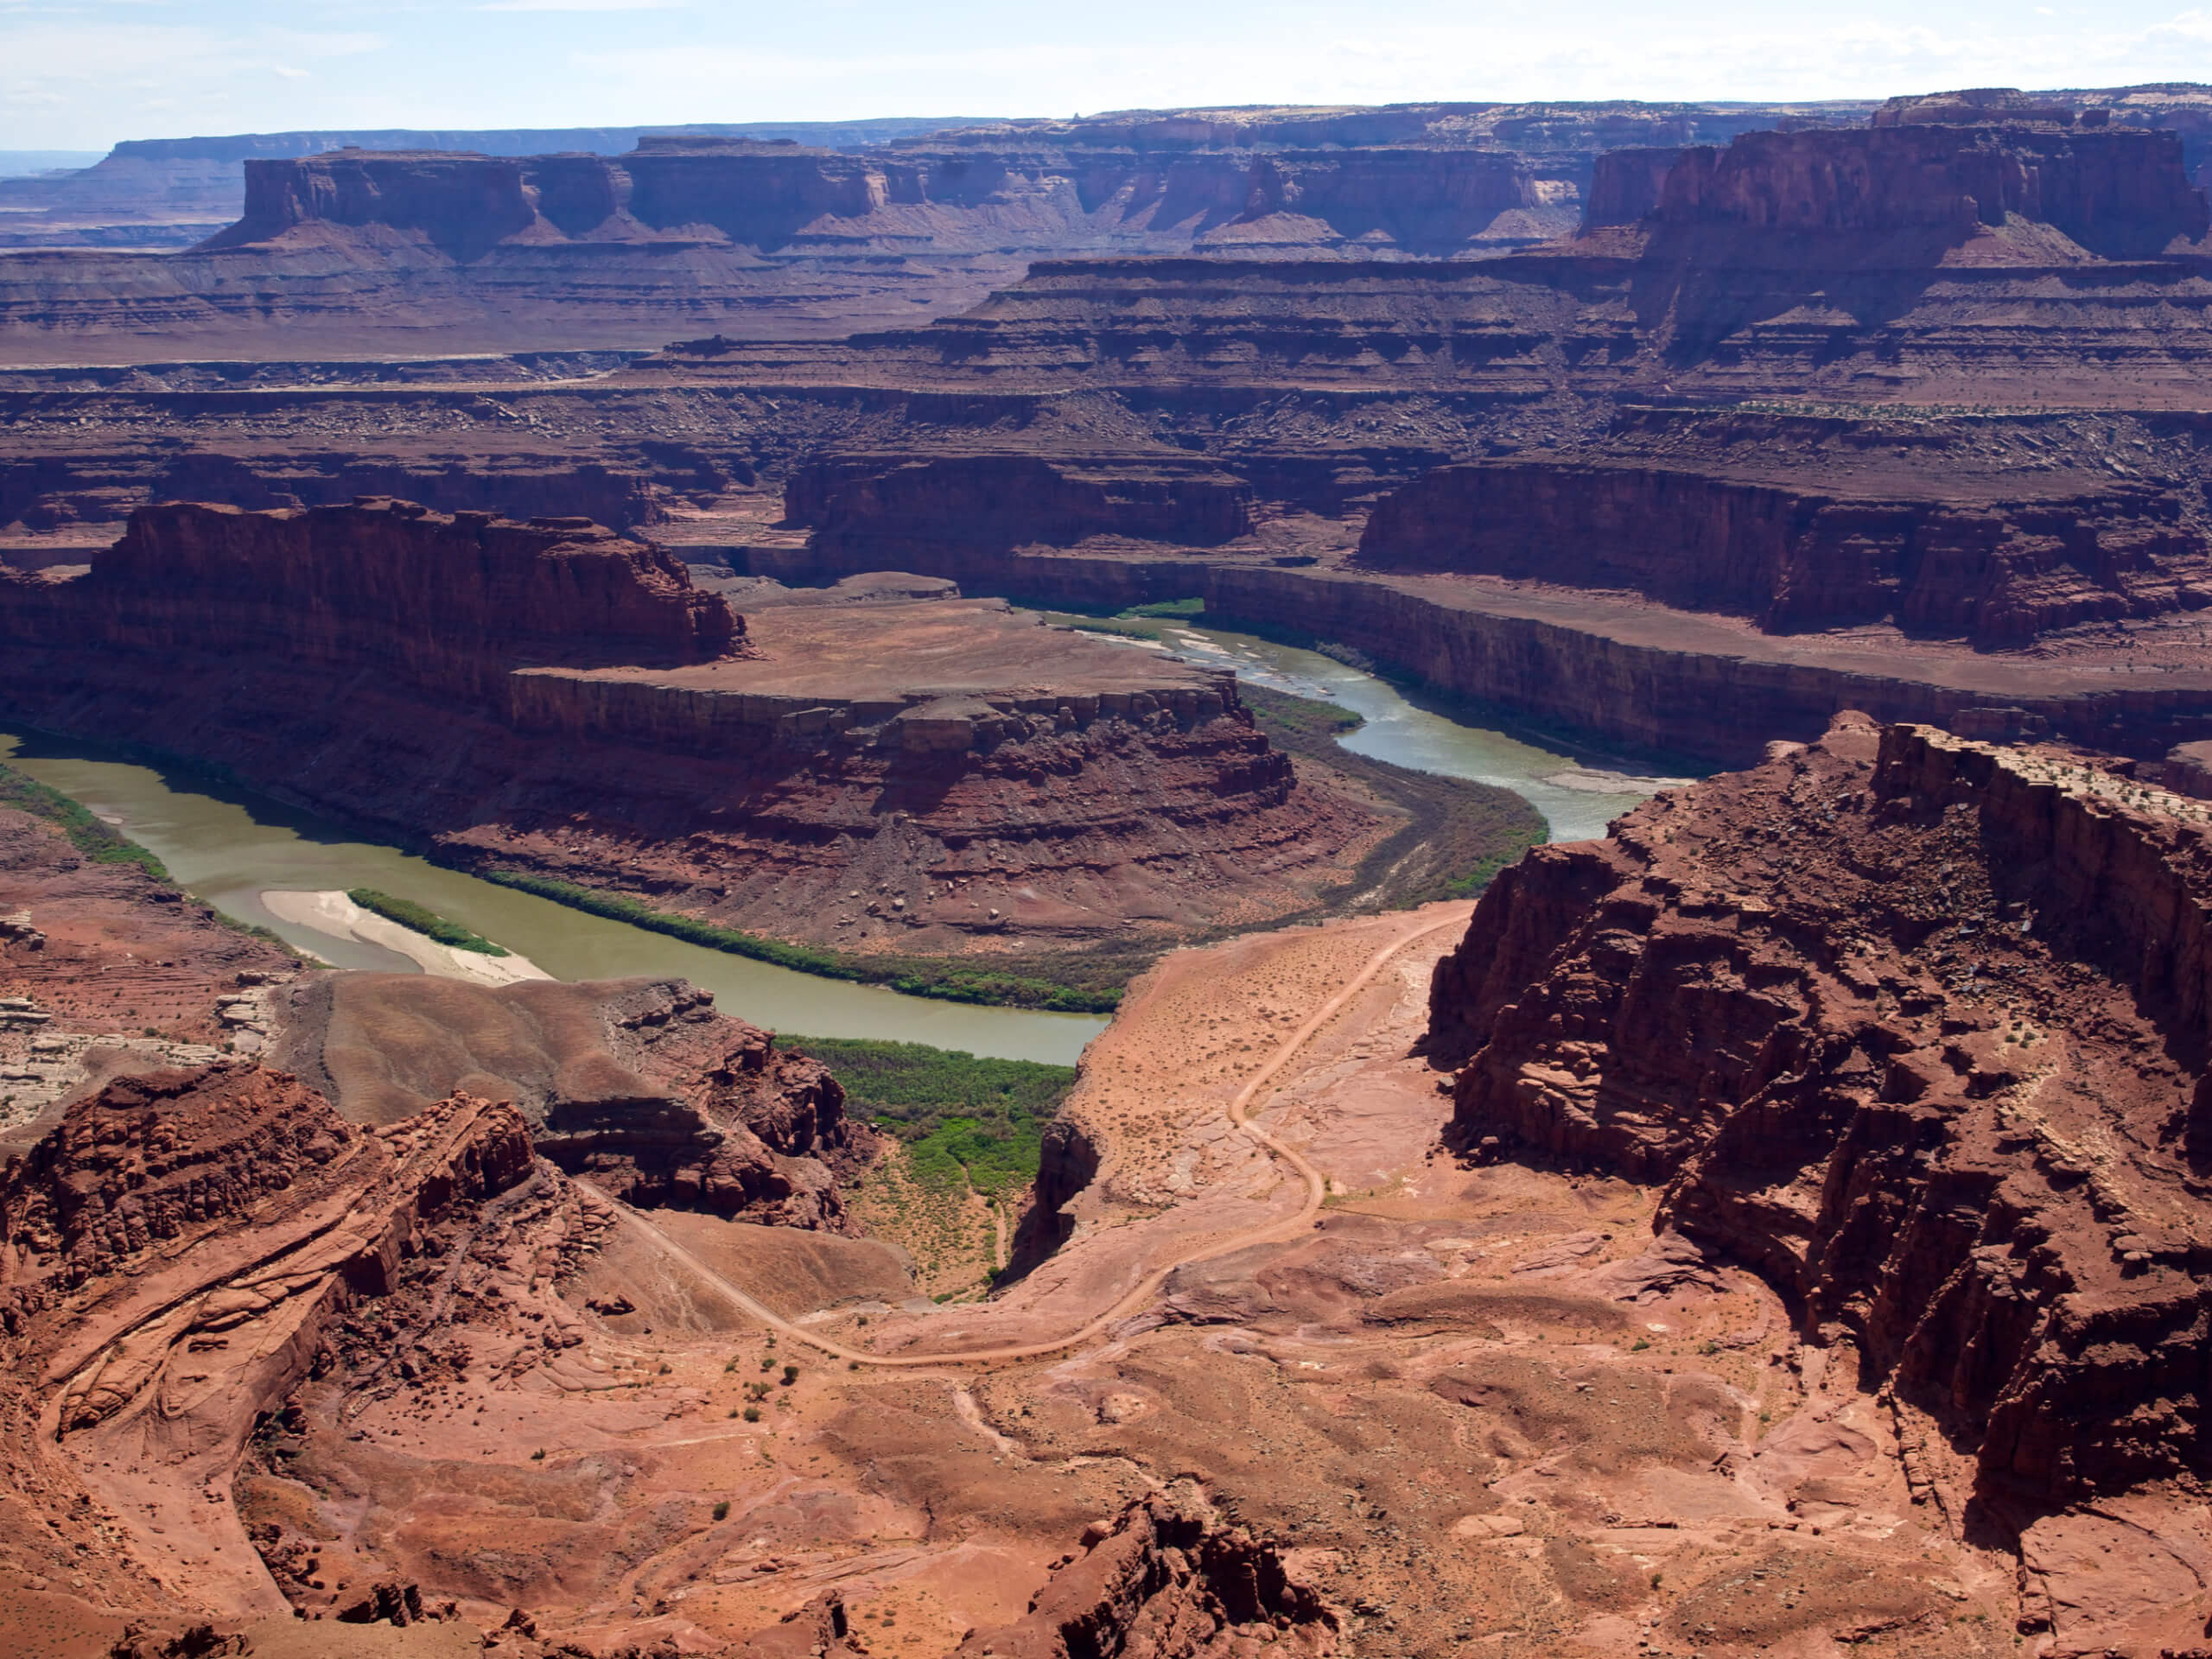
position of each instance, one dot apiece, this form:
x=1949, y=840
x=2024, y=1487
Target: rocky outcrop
x=446, y=604
x=1068, y=1161
x=639, y=1084
x=173, y=1256
x=883, y=511
x=1166, y=1576
x=1996, y=575
x=1919, y=1028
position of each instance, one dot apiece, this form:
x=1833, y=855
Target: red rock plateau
x=914, y=775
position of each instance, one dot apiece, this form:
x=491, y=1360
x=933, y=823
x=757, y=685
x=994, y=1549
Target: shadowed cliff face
x=783, y=198
x=1996, y=573
x=2120, y=194
x=447, y=603
x=1919, y=1028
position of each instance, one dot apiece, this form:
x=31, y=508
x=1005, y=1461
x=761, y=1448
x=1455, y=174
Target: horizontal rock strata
x=1994, y=575
x=481, y=683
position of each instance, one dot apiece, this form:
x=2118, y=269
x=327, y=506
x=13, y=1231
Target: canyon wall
x=553, y=700
x=781, y=198
x=444, y=604
x=1918, y=1028
x=1996, y=573
x=2120, y=194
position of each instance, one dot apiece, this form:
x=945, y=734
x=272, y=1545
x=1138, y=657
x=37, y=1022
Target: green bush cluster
x=963, y=1118
x=1284, y=717
x=946, y=980
x=105, y=845
x=428, y=923
x=95, y=839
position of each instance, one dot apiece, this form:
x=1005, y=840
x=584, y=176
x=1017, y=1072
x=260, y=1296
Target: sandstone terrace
x=893, y=782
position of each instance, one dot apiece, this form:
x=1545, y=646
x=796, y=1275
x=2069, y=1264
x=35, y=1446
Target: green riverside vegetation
x=964, y=1119
x=1459, y=834
x=950, y=980
x=103, y=844
x=428, y=923
x=95, y=839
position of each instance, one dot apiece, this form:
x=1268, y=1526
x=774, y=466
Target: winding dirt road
x=1316, y=1188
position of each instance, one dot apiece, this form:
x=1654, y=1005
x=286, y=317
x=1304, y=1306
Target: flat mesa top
x=931, y=647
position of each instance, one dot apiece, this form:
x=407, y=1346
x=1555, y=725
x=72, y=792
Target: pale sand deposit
x=335, y=914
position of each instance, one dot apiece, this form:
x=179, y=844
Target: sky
x=81, y=74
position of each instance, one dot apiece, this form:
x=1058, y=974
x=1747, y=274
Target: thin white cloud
x=89, y=71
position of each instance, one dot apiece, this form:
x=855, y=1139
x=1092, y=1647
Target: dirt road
x=1240, y=1113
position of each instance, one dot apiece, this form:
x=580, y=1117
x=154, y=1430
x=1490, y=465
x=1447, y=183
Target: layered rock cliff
x=448, y=604
x=1919, y=1028
x=878, y=510
x=2117, y=194
x=779, y=198
x=551, y=698
x=1996, y=573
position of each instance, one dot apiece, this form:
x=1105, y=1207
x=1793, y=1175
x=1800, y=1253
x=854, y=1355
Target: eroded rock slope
x=1916, y=1027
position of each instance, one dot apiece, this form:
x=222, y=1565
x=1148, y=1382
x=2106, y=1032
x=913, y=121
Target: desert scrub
x=428, y=923
x=967, y=1120
x=946, y=980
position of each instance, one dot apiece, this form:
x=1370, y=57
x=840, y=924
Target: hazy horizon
x=82, y=74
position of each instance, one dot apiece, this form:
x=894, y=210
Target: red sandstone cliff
x=1919, y=1028
x=2120, y=194
x=1626, y=184
x=445, y=603
x=1996, y=573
